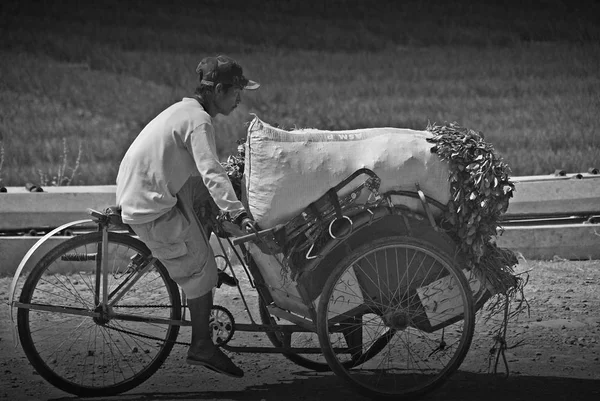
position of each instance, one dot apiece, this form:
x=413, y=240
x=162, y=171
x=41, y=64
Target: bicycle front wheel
x=82, y=346
x=402, y=311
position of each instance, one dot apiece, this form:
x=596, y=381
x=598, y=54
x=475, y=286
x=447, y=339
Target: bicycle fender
x=31, y=251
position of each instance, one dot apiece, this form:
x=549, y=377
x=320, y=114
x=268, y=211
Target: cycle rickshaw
x=374, y=287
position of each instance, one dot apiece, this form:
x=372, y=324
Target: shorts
x=179, y=241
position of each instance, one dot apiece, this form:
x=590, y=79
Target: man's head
x=221, y=80
x=225, y=70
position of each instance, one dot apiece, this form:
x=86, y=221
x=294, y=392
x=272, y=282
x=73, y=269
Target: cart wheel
x=402, y=311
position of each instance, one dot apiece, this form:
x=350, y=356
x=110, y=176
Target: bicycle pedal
x=224, y=278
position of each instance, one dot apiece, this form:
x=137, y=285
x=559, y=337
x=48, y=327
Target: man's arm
x=201, y=144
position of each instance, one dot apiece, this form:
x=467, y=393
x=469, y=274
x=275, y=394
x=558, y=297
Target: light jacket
x=176, y=144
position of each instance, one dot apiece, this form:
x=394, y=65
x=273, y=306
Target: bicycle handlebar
x=246, y=238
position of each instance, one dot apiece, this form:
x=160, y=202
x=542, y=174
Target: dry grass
x=64, y=174
x=100, y=84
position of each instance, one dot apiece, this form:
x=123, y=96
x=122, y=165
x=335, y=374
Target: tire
x=89, y=356
x=391, y=303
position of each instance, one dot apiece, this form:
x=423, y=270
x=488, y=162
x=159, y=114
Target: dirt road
x=559, y=358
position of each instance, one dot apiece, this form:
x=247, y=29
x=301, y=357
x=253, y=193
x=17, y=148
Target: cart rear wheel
x=402, y=311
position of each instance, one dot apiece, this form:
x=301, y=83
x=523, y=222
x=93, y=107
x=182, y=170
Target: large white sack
x=285, y=171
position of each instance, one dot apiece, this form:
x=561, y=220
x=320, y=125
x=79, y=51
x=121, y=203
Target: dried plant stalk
x=61, y=178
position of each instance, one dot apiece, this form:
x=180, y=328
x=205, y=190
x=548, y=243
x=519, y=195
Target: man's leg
x=202, y=350
x=182, y=262
x=202, y=344
x=204, y=211
x=202, y=275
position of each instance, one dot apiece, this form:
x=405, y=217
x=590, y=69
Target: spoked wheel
x=82, y=346
x=221, y=325
x=402, y=311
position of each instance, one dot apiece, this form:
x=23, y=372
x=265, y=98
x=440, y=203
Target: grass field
x=96, y=75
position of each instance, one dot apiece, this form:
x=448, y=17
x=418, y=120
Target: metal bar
x=567, y=217
x=243, y=327
x=298, y=320
x=99, y=258
x=354, y=312
x=57, y=309
x=264, y=328
x=426, y=207
x=309, y=304
x=281, y=350
x=239, y=288
x=352, y=176
x=250, y=274
x=130, y=284
x=245, y=238
x=113, y=316
x=104, y=265
x=148, y=319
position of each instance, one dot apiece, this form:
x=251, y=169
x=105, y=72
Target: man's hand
x=242, y=225
x=248, y=225
x=232, y=229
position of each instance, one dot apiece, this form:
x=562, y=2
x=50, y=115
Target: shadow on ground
x=463, y=386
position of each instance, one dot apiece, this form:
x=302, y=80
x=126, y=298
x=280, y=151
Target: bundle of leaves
x=234, y=166
x=480, y=191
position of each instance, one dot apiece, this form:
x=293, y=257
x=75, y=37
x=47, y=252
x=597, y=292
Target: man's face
x=227, y=101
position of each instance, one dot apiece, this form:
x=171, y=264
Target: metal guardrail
x=549, y=215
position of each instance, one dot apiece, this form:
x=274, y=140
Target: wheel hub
x=397, y=320
x=103, y=318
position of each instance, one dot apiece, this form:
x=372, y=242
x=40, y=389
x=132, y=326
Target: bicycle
x=379, y=297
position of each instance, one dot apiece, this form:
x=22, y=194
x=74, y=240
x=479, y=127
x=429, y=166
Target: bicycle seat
x=113, y=213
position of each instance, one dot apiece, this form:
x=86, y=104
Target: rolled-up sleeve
x=201, y=144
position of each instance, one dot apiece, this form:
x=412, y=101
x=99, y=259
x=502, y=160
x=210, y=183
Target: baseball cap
x=225, y=70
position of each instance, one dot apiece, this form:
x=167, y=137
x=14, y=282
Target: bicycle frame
x=109, y=299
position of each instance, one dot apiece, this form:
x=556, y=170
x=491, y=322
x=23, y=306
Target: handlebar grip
x=244, y=239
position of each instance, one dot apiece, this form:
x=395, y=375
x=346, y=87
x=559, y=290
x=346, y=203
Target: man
x=169, y=168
